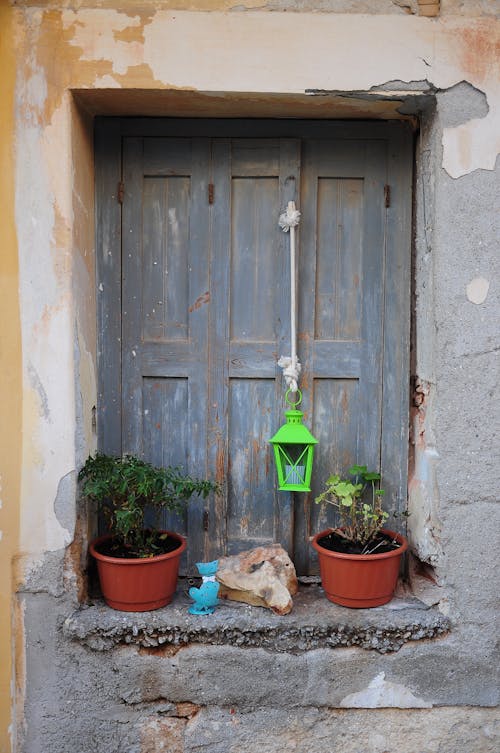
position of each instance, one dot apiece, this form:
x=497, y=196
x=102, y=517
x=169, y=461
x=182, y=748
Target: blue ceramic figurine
x=205, y=597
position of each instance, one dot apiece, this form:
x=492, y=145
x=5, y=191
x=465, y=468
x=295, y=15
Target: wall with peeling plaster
x=346, y=59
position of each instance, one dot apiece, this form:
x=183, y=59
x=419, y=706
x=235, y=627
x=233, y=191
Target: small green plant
x=360, y=519
x=126, y=488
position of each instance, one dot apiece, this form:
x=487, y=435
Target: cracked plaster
x=382, y=693
x=407, y=50
x=105, y=46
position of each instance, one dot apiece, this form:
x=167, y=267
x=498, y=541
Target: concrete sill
x=313, y=623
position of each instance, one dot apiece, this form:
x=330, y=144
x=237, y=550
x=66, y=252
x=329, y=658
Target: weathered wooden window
x=193, y=274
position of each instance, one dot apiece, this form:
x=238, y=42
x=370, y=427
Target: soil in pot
x=380, y=543
x=160, y=542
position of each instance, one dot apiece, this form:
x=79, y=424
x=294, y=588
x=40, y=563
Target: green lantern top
x=294, y=431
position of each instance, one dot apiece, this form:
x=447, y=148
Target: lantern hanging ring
x=293, y=403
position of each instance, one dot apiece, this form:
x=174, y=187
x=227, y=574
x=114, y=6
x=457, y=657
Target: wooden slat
x=256, y=360
x=307, y=276
x=255, y=158
x=165, y=244
x=335, y=426
x=370, y=403
x=255, y=128
x=165, y=406
x=350, y=260
x=254, y=208
x=289, y=190
x=132, y=438
x=218, y=339
x=336, y=359
x=198, y=318
x=396, y=365
x=343, y=158
x=250, y=512
x=108, y=280
x=167, y=157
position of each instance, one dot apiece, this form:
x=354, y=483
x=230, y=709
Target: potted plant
x=359, y=560
x=137, y=563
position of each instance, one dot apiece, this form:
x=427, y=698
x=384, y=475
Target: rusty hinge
x=211, y=192
x=387, y=196
x=121, y=192
x=205, y=520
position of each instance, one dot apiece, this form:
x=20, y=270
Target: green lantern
x=293, y=446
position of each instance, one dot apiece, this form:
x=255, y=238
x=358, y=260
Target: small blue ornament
x=205, y=597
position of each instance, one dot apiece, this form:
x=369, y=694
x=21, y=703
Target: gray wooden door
x=205, y=317
x=341, y=312
x=204, y=313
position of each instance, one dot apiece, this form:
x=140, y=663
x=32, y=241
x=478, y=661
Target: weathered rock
x=263, y=577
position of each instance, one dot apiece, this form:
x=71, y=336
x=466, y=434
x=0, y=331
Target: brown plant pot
x=359, y=580
x=138, y=585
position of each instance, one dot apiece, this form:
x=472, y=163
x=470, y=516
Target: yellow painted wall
x=10, y=370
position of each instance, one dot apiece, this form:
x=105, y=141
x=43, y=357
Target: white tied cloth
x=290, y=218
x=291, y=372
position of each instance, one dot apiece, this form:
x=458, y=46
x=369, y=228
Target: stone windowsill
x=313, y=623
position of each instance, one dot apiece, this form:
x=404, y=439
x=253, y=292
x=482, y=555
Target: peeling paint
x=99, y=34
x=424, y=525
x=477, y=290
x=36, y=382
x=383, y=694
x=64, y=503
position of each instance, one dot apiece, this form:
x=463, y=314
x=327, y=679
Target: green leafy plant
x=126, y=488
x=361, y=513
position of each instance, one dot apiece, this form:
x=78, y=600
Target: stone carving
x=263, y=577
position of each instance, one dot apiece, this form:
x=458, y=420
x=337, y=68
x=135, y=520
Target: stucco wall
x=142, y=58
x=10, y=375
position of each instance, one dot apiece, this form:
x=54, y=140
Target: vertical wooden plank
x=370, y=402
x=260, y=267
x=289, y=190
x=108, y=158
x=198, y=316
x=132, y=317
x=335, y=426
x=396, y=366
x=165, y=261
x=166, y=433
x=177, y=214
x=327, y=253
x=154, y=268
x=306, y=328
x=218, y=342
x=349, y=271
x=252, y=264
x=339, y=255
x=251, y=512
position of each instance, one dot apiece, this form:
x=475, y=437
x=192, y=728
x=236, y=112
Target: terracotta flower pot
x=359, y=580
x=138, y=585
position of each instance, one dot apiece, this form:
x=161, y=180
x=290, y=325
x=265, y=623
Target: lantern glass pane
x=295, y=474
x=292, y=463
